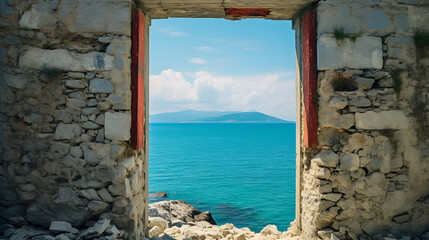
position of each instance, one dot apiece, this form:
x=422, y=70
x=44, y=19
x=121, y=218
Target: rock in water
x=179, y=210
x=158, y=194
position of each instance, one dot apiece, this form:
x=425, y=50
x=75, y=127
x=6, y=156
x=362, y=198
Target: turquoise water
x=242, y=173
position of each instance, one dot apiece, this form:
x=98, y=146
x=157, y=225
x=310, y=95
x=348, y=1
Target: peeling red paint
x=309, y=38
x=137, y=80
x=247, y=12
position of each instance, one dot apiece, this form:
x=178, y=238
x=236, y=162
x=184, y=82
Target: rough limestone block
x=66, y=60
x=95, y=153
x=97, y=207
x=66, y=131
x=345, y=121
x=75, y=84
x=418, y=17
x=363, y=83
x=119, y=47
x=338, y=102
x=374, y=186
x=117, y=126
x=105, y=195
x=96, y=16
x=99, y=227
x=68, y=197
x=326, y=158
x=334, y=197
x=364, y=52
x=354, y=17
x=382, y=120
x=100, y=86
x=349, y=161
x=40, y=16
x=15, y=81
x=121, y=189
x=62, y=227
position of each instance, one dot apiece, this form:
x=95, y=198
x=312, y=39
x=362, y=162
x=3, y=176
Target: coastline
x=175, y=219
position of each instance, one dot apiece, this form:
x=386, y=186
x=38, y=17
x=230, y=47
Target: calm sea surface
x=242, y=173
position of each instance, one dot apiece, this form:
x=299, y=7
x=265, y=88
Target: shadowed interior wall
x=368, y=174
x=65, y=104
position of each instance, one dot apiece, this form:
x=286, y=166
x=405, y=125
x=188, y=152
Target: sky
x=222, y=65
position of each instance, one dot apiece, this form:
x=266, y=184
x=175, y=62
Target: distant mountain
x=243, y=117
x=194, y=116
x=185, y=116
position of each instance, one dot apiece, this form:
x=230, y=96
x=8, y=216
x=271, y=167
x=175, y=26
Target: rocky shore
x=63, y=230
x=177, y=220
x=174, y=220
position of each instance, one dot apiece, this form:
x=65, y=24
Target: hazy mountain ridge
x=194, y=116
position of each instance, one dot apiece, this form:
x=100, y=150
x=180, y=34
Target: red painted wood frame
x=246, y=12
x=309, y=49
x=137, y=80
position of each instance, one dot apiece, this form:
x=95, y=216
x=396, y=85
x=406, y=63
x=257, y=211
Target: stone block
x=341, y=121
x=97, y=16
x=99, y=227
x=76, y=151
x=338, y=102
x=12, y=40
x=57, y=227
x=68, y=197
x=62, y=59
x=75, y=103
x=356, y=17
x=90, y=125
x=326, y=158
x=121, y=189
x=27, y=187
x=349, y=162
x=105, y=195
x=119, y=47
x=44, y=214
x=15, y=81
x=372, y=186
x=6, y=94
x=117, y=126
x=75, y=84
x=66, y=131
x=363, y=83
x=60, y=148
x=418, y=16
x=322, y=173
x=100, y=86
x=98, y=207
x=94, y=153
x=382, y=120
x=39, y=16
x=364, y=52
x=5, y=9
x=360, y=102
x=334, y=197
x=90, y=194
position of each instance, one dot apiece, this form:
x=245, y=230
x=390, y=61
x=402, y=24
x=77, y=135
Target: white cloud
x=271, y=94
x=177, y=34
x=171, y=86
x=198, y=61
x=208, y=49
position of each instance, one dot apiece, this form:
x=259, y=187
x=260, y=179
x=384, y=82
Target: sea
x=242, y=173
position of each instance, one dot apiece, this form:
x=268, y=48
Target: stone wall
x=65, y=101
x=369, y=175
